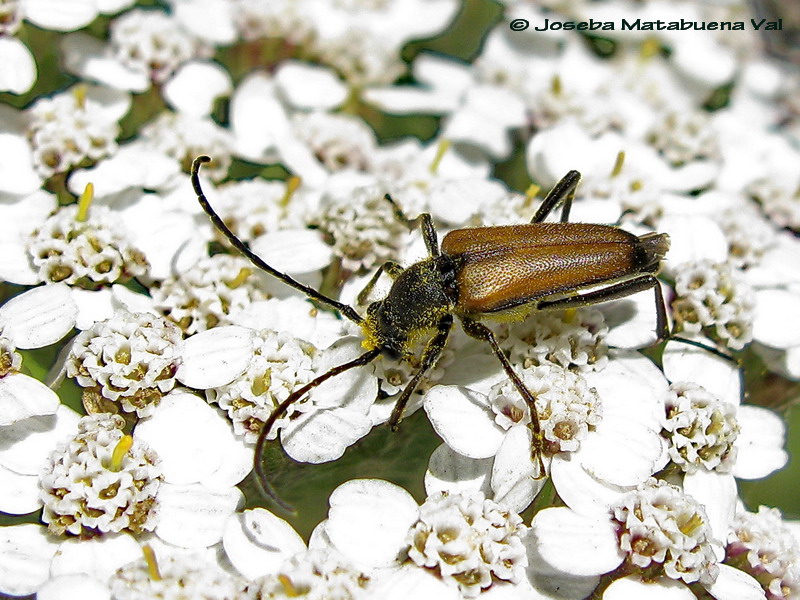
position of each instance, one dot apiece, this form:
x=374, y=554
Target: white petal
x=662, y=589
x=733, y=584
x=718, y=494
x=579, y=490
x=369, y=519
x=60, y=16
x=448, y=471
x=20, y=493
x=17, y=67
x=26, y=445
x=193, y=516
x=215, y=357
x=404, y=100
x=237, y=464
x=132, y=301
x=196, y=85
x=93, y=306
x=308, y=87
x=187, y=434
x=631, y=321
x=411, y=581
x=513, y=480
x=85, y=56
x=576, y=544
x=293, y=250
x=17, y=175
x=771, y=324
x=462, y=418
x=324, y=435
x=760, y=443
x=98, y=557
x=25, y=553
x=257, y=542
x=719, y=376
x=444, y=73
x=257, y=117
x=15, y=264
x=162, y=238
x=716, y=67
x=39, y=317
x=692, y=238
x=66, y=587
x=22, y=396
x=454, y=201
x=211, y=20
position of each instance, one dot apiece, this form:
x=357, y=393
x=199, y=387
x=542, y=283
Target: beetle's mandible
x=477, y=273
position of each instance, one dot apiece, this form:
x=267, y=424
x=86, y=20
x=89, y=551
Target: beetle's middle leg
x=614, y=292
x=428, y=230
x=392, y=269
x=563, y=191
x=479, y=331
x=432, y=351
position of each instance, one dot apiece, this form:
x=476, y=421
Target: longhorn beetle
x=476, y=273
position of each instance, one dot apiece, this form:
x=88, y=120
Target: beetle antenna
x=346, y=310
x=280, y=410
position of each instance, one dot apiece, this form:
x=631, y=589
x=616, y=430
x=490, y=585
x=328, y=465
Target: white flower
x=101, y=481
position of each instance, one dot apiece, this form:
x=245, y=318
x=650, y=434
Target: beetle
x=478, y=273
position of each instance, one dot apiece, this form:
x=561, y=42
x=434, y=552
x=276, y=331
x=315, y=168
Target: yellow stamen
x=120, y=450
x=532, y=191
x=288, y=586
x=84, y=202
x=444, y=146
x=240, y=278
x=79, y=93
x=570, y=314
x=555, y=85
x=291, y=187
x=152, y=563
x=649, y=48
x=618, y=164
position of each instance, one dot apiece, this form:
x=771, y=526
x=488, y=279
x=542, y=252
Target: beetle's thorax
x=417, y=301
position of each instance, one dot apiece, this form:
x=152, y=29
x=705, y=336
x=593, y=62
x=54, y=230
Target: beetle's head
x=380, y=331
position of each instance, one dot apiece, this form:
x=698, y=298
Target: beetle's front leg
x=428, y=230
x=391, y=268
x=479, y=331
x=432, y=351
x=614, y=292
x=563, y=191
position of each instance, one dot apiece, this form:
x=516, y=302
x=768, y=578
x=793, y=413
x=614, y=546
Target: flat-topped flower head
x=100, y=481
x=176, y=577
x=684, y=136
x=469, y=540
x=779, y=201
x=280, y=364
x=362, y=58
x=277, y=19
x=700, y=428
x=664, y=531
x=209, y=292
x=362, y=228
x=315, y=574
x=567, y=407
x=338, y=141
x=573, y=339
x=67, y=129
x=749, y=235
x=153, y=44
x=130, y=360
x=714, y=298
x=87, y=251
x=762, y=545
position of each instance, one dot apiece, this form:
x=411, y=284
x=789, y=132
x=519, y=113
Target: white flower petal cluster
x=470, y=540
x=130, y=360
x=87, y=252
x=684, y=137
x=763, y=545
x=99, y=482
x=701, y=429
x=716, y=298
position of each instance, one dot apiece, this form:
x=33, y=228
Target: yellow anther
x=240, y=278
x=649, y=48
x=120, y=450
x=441, y=150
x=152, y=563
x=618, y=163
x=555, y=85
x=84, y=202
x=291, y=187
x=532, y=191
x=79, y=93
x=288, y=587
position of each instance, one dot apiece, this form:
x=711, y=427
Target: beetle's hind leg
x=428, y=230
x=562, y=192
x=479, y=331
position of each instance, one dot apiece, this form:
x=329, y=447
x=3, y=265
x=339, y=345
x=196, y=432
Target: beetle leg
x=481, y=332
x=428, y=230
x=614, y=292
x=432, y=351
x=563, y=191
x=280, y=410
x=391, y=268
